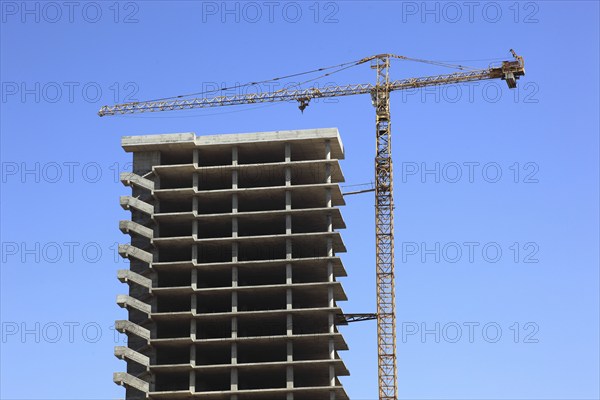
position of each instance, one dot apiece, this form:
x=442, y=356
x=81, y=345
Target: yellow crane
x=509, y=71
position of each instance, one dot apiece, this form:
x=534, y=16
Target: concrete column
x=288, y=176
x=288, y=298
x=234, y=179
x=288, y=200
x=331, y=349
x=193, y=329
x=288, y=274
x=195, y=205
x=234, y=357
x=194, y=279
x=288, y=224
x=330, y=289
x=288, y=249
x=155, y=227
x=290, y=377
x=290, y=351
x=329, y=223
x=330, y=298
x=332, y=375
x=234, y=301
x=288, y=152
x=195, y=229
x=234, y=276
x=195, y=181
x=154, y=278
x=234, y=328
x=234, y=227
x=192, y=372
x=234, y=173
x=288, y=281
x=234, y=306
x=331, y=367
x=289, y=325
x=328, y=149
x=234, y=284
x=234, y=155
x=328, y=197
x=234, y=252
x=194, y=304
x=234, y=371
x=192, y=381
x=331, y=322
x=196, y=157
x=327, y=173
x=195, y=252
x=152, y=354
x=290, y=369
x=234, y=203
x=234, y=379
x=288, y=170
x=330, y=277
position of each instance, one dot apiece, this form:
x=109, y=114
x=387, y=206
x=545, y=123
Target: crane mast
x=384, y=233
x=510, y=71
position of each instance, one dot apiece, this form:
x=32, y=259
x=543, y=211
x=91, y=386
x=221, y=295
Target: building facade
x=233, y=279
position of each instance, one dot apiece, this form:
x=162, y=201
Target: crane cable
x=341, y=67
x=351, y=63
x=438, y=63
x=322, y=76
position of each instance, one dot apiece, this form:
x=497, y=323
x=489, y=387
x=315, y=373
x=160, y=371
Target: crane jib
x=510, y=72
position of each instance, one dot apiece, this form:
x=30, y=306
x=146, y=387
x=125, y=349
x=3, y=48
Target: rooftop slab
x=190, y=140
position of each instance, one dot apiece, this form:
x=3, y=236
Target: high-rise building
x=234, y=267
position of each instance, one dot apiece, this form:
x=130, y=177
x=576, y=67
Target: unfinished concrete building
x=233, y=278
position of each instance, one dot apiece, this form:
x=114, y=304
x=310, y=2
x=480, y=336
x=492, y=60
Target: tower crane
x=509, y=71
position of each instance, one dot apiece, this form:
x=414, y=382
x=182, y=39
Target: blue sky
x=496, y=190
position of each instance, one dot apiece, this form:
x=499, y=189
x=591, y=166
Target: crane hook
x=303, y=104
